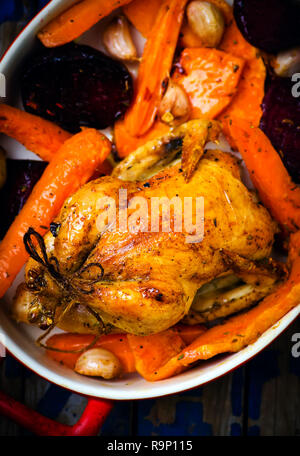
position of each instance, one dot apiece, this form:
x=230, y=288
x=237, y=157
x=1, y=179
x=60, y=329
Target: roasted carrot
x=243, y=329
x=152, y=352
x=70, y=168
x=142, y=14
x=119, y=345
x=189, y=333
x=246, y=104
x=210, y=78
x=155, y=67
x=277, y=191
x=247, y=101
x=234, y=43
x=38, y=135
x=126, y=143
x=116, y=343
x=76, y=20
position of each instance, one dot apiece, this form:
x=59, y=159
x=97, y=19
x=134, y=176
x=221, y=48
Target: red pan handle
x=89, y=423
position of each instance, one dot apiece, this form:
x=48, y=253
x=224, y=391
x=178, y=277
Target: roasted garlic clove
x=175, y=106
x=207, y=22
x=287, y=63
x=118, y=41
x=99, y=362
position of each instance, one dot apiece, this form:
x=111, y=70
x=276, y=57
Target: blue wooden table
x=260, y=398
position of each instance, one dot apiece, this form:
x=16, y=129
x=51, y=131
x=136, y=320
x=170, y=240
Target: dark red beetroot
x=271, y=25
x=76, y=85
x=281, y=123
x=22, y=175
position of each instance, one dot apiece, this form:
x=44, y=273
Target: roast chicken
x=143, y=282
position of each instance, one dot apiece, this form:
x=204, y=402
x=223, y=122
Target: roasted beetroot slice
x=270, y=25
x=281, y=123
x=76, y=85
x=22, y=175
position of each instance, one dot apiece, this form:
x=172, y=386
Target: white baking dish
x=20, y=339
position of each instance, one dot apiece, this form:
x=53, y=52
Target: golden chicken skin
x=143, y=281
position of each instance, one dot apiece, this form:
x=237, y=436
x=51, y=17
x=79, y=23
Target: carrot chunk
x=210, y=78
x=234, y=43
x=189, y=333
x=151, y=352
x=142, y=14
x=246, y=103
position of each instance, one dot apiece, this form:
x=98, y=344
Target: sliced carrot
x=38, y=135
x=126, y=143
x=115, y=343
x=234, y=43
x=151, y=352
x=70, y=168
x=189, y=333
x=210, y=78
x=277, y=191
x=142, y=14
x=246, y=104
x=155, y=67
x=76, y=20
x=242, y=330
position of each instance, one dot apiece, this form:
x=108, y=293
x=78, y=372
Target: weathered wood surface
x=260, y=398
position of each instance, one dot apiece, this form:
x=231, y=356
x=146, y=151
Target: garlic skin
x=207, y=22
x=118, y=41
x=286, y=63
x=174, y=108
x=99, y=362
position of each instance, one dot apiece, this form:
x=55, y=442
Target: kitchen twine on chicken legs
x=177, y=215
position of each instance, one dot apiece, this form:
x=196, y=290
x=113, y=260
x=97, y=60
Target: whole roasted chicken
x=141, y=281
